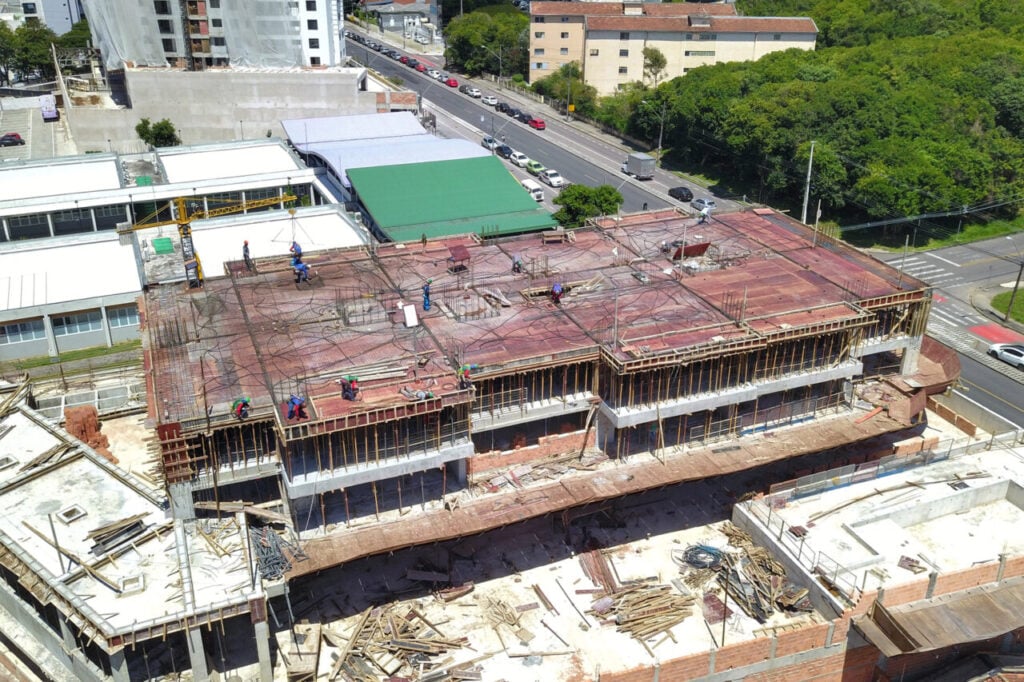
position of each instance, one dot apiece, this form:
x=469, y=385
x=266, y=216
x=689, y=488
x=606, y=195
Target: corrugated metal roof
x=447, y=197
x=306, y=131
x=423, y=148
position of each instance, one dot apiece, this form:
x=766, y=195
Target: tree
x=78, y=36
x=32, y=43
x=654, y=64
x=8, y=53
x=490, y=41
x=566, y=86
x=159, y=134
x=579, y=202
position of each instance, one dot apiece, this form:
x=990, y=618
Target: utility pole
x=1013, y=296
x=807, y=185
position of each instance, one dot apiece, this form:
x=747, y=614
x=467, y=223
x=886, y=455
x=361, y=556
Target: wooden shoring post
x=316, y=449
x=348, y=518
x=323, y=512
x=376, y=506
x=398, y=482
x=330, y=451
x=343, y=442
x=444, y=482
x=376, y=445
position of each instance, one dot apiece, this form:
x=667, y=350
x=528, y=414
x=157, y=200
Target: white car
x=434, y=73
x=551, y=177
x=1013, y=353
x=489, y=143
x=474, y=92
x=520, y=159
x=489, y=100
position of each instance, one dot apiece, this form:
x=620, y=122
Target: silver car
x=1012, y=353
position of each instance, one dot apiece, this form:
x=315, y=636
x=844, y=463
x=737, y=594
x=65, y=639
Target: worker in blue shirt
x=296, y=407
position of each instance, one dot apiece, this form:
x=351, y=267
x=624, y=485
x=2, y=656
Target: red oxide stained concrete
x=635, y=475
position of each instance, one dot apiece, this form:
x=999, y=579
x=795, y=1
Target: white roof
x=78, y=174
x=195, y=164
x=269, y=233
x=305, y=131
x=42, y=272
x=341, y=156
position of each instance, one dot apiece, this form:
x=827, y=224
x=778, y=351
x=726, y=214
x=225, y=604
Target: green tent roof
x=441, y=198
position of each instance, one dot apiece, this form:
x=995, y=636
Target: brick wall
x=954, y=581
x=547, y=446
x=804, y=639
x=1014, y=567
x=906, y=592
x=746, y=653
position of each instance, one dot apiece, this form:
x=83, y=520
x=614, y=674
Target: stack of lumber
x=644, y=611
x=384, y=645
x=756, y=581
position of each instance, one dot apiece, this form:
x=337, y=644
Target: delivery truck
x=640, y=166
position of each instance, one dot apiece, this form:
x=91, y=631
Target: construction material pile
x=757, y=582
x=644, y=611
x=396, y=643
x=268, y=552
x=545, y=469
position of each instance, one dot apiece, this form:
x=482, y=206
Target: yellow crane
x=193, y=266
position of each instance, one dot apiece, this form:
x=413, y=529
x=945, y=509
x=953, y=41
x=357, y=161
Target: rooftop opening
x=71, y=514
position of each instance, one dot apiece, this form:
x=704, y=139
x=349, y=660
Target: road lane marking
x=955, y=265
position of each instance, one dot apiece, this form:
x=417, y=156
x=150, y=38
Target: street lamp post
x=498, y=55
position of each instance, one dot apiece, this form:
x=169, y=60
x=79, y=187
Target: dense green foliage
x=78, y=36
x=159, y=134
x=566, y=86
x=916, y=108
x=1002, y=300
x=579, y=202
x=491, y=40
x=26, y=51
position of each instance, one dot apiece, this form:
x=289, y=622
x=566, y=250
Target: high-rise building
x=197, y=34
x=58, y=15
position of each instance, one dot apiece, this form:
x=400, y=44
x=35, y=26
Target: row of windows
x=539, y=51
x=65, y=325
x=540, y=34
x=699, y=53
x=540, y=20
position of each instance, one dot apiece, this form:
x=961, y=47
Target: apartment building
x=198, y=34
x=58, y=15
x=607, y=39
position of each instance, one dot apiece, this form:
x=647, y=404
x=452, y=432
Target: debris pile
x=519, y=476
x=384, y=645
x=756, y=581
x=268, y=552
x=644, y=611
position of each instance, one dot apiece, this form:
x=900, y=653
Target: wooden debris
x=644, y=611
x=911, y=564
x=452, y=593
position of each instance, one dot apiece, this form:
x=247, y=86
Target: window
x=563, y=50
x=623, y=70
x=538, y=34
x=217, y=23
x=123, y=317
x=623, y=53
x=565, y=20
x=79, y=323
x=688, y=36
x=699, y=53
x=29, y=226
x=314, y=43
x=624, y=35
x=314, y=61
x=218, y=41
x=707, y=36
x=214, y=4
x=162, y=6
x=28, y=7
x=540, y=65
x=776, y=36
x=565, y=34
x=17, y=332
x=312, y=24
x=538, y=20
x=593, y=52
x=168, y=44
x=165, y=26
x=310, y=5
x=538, y=52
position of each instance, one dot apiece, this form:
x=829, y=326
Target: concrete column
x=119, y=667
x=69, y=639
x=51, y=339
x=1002, y=568
x=911, y=354
x=262, y=632
x=197, y=654
x=106, y=326
x=180, y=496
x=459, y=468
x=932, y=578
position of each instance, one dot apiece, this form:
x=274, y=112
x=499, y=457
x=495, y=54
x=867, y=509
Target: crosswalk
x=927, y=270
x=955, y=316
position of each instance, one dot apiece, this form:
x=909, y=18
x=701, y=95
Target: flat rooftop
x=760, y=274
x=211, y=162
x=947, y=516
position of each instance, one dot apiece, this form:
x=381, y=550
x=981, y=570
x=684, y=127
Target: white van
x=535, y=190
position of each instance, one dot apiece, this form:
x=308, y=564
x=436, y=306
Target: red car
x=452, y=83
x=404, y=59
x=536, y=123
x=421, y=67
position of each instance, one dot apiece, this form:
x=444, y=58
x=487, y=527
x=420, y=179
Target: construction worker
x=556, y=293
x=426, y=295
x=517, y=264
x=240, y=407
x=301, y=272
x=245, y=255
x=349, y=387
x=705, y=215
x=296, y=250
x=296, y=407
x=465, y=381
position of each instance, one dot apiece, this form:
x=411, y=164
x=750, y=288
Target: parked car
x=552, y=177
x=404, y=59
x=536, y=123
x=534, y=167
x=513, y=112
x=421, y=68
x=433, y=73
x=452, y=83
x=701, y=204
x=518, y=158
x=11, y=140
x=348, y=34
x=523, y=117
x=489, y=100
x=444, y=78
x=504, y=151
x=474, y=92
x=489, y=143
x=412, y=63
x=464, y=88
x=1012, y=353
x=502, y=107
x=681, y=194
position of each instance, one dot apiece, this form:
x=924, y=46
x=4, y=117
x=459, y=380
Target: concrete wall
x=215, y=106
